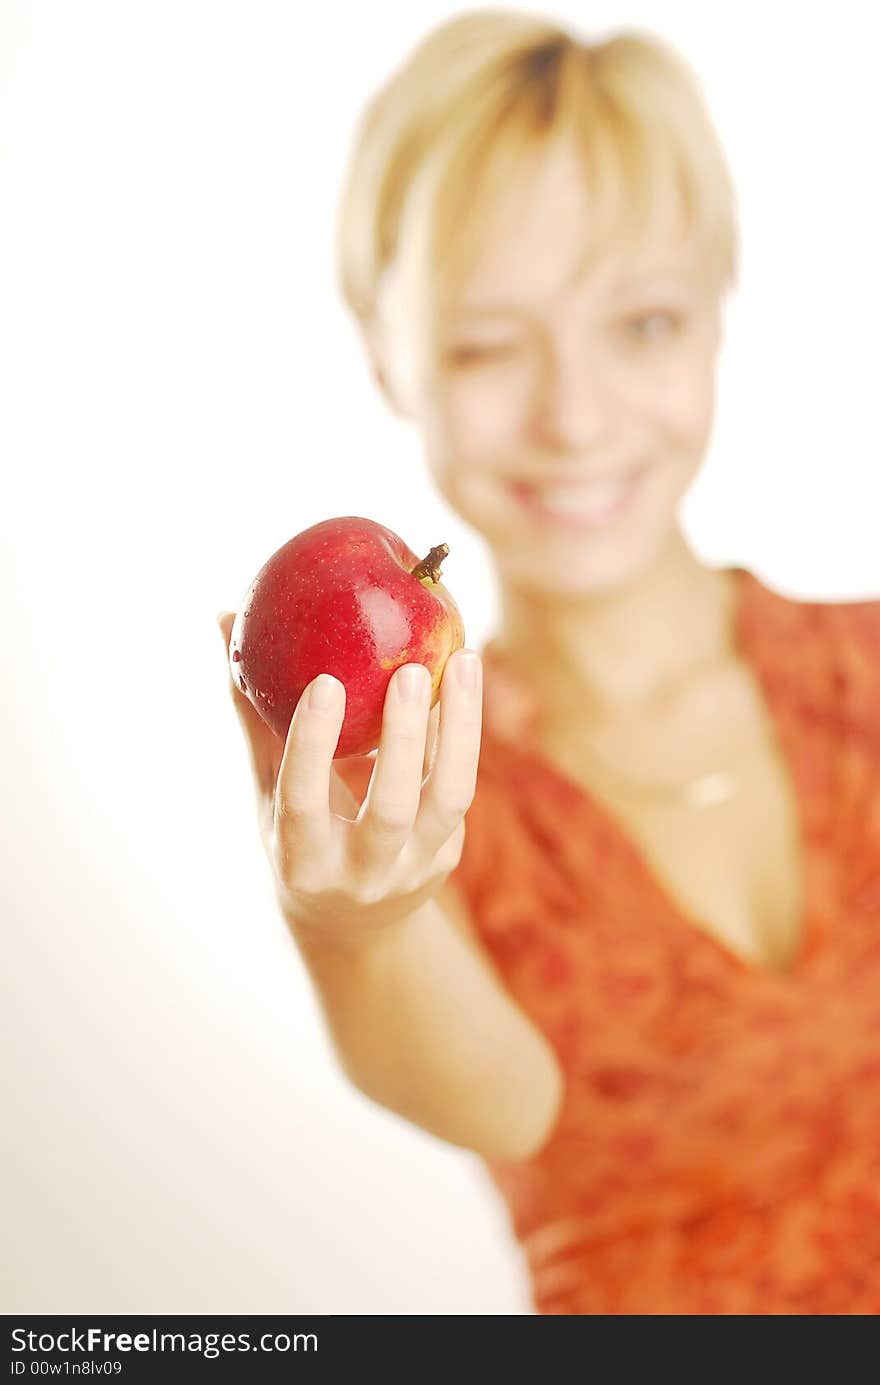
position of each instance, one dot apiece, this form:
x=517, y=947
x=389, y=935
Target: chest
x=733, y=867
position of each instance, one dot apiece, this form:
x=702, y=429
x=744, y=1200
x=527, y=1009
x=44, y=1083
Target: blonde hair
x=438, y=141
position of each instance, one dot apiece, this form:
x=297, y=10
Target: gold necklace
x=703, y=791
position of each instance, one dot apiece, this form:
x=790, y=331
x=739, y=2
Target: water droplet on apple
x=235, y=656
x=243, y=686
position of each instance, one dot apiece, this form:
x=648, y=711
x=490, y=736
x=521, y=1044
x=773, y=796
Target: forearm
x=421, y=1025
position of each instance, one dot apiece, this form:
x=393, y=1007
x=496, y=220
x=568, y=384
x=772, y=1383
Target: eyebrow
x=646, y=279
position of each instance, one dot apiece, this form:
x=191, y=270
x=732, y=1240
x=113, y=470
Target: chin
x=568, y=553
x=588, y=573
x=568, y=556
x=582, y=564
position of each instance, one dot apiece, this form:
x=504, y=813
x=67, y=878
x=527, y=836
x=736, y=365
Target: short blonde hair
x=437, y=142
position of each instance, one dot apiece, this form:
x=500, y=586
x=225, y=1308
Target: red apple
x=346, y=597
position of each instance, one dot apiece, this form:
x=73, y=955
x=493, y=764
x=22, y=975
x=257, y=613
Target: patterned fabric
x=718, y=1147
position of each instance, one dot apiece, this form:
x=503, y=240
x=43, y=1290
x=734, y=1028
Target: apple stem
x=429, y=568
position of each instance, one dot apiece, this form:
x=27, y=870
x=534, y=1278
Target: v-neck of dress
x=772, y=634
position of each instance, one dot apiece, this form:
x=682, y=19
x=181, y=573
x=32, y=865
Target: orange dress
x=718, y=1146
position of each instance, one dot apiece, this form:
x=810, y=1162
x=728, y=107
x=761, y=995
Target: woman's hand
x=344, y=867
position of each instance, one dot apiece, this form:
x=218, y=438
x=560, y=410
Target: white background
x=183, y=392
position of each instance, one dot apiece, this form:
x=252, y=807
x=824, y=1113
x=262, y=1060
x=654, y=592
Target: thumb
x=225, y=622
x=265, y=749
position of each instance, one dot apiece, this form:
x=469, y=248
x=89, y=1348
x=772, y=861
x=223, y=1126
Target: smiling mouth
x=582, y=504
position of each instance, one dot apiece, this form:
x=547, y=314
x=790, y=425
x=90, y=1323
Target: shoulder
x=855, y=627
x=849, y=628
x=823, y=654
x=863, y=613
x=854, y=659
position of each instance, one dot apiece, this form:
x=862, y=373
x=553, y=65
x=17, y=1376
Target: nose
x=574, y=404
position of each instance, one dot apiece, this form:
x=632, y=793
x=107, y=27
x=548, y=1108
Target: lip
x=528, y=496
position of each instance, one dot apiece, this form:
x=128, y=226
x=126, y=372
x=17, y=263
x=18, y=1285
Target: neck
x=625, y=649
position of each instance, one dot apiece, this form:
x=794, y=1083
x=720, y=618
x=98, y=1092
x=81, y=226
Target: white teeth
x=585, y=501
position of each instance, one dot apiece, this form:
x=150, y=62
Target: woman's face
x=568, y=409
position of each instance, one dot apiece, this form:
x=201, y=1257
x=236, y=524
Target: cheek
x=685, y=408
x=483, y=418
x=472, y=428
x=468, y=446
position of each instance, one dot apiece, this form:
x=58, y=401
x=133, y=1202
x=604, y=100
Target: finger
x=303, y=818
x=431, y=743
x=265, y=748
x=451, y=785
x=392, y=802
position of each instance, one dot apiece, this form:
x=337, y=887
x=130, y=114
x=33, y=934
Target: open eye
x=655, y=325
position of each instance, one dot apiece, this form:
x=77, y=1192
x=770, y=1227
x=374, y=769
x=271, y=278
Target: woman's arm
x=422, y=1025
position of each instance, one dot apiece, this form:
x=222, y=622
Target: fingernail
x=412, y=682
x=322, y=693
x=467, y=667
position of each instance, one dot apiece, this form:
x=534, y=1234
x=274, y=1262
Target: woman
x=644, y=983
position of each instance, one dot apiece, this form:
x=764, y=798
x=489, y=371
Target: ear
x=378, y=369
x=721, y=333
x=387, y=391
